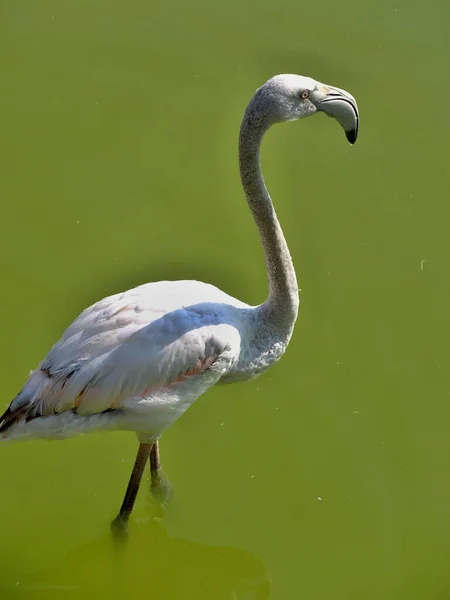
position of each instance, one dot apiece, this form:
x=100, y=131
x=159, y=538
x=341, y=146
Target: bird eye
x=304, y=94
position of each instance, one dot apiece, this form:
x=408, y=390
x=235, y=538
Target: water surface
x=327, y=477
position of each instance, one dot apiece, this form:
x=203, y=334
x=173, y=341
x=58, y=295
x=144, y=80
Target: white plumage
x=135, y=361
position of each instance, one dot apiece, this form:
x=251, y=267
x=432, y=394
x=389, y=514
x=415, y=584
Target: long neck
x=281, y=307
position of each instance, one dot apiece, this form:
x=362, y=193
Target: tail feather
x=11, y=417
x=22, y=408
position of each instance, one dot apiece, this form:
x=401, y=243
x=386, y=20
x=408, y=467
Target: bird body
x=137, y=360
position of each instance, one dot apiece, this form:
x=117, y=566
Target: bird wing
x=123, y=347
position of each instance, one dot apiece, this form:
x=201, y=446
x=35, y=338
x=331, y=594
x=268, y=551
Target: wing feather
x=124, y=346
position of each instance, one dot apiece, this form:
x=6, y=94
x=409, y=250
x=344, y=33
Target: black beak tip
x=351, y=135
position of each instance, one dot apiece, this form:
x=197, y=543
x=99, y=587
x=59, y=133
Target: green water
x=328, y=477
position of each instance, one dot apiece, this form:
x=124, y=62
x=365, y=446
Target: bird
x=137, y=360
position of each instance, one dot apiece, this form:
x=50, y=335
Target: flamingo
x=137, y=360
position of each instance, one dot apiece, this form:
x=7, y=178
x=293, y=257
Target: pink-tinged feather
x=200, y=367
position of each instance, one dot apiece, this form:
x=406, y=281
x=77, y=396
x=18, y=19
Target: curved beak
x=340, y=105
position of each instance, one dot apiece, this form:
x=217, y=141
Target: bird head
x=292, y=97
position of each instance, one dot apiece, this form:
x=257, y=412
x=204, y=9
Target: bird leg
x=120, y=522
x=160, y=487
x=155, y=462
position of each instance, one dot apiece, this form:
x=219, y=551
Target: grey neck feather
x=281, y=307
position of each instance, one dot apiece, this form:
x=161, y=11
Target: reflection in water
x=167, y=567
